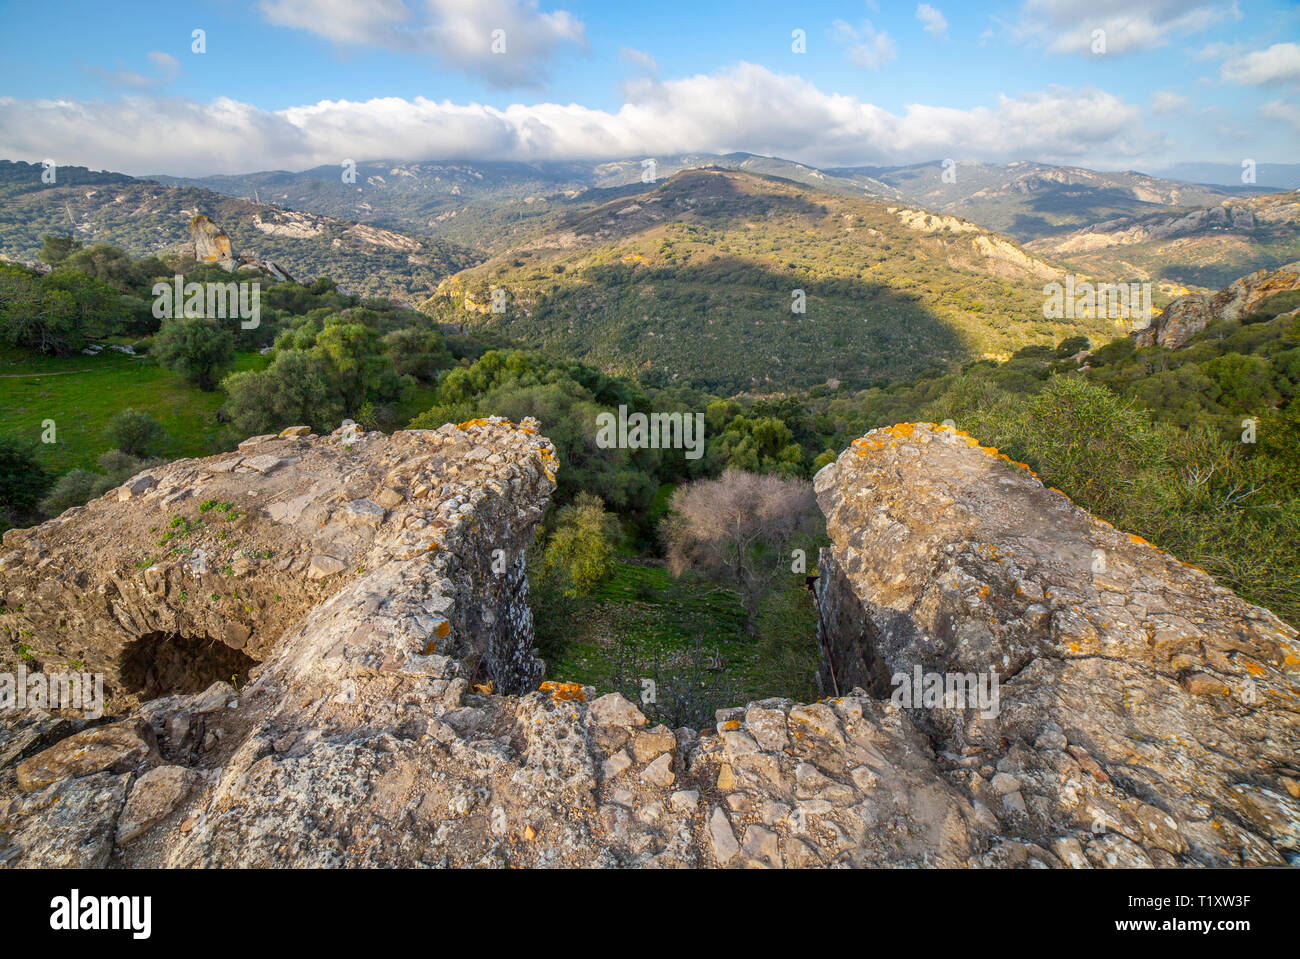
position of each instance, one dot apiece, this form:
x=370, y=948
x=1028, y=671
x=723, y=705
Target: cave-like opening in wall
x=165, y=664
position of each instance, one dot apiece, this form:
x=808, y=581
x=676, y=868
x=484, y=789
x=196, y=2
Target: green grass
x=89, y=390
x=654, y=616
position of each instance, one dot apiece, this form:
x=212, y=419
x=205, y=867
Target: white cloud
x=1218, y=50
x=1162, y=101
x=867, y=47
x=166, y=64
x=934, y=20
x=746, y=107
x=380, y=23
x=1067, y=26
x=639, y=58
x=458, y=33
x=1287, y=113
x=1280, y=63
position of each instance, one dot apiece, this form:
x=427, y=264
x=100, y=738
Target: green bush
x=136, y=433
x=198, y=349
x=580, y=548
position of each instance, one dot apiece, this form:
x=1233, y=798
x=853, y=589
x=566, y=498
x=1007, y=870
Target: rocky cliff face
x=1274, y=211
x=1188, y=315
x=392, y=715
x=987, y=252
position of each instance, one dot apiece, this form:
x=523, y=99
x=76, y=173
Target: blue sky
x=294, y=83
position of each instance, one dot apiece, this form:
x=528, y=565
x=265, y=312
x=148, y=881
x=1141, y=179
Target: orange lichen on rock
x=549, y=463
x=564, y=692
x=481, y=421
x=904, y=431
x=443, y=629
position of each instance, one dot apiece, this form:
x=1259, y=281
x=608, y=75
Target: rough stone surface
x=154, y=795
x=212, y=245
x=1138, y=699
x=1188, y=315
x=118, y=748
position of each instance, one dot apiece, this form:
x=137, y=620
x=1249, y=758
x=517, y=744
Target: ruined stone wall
x=1147, y=715
x=394, y=716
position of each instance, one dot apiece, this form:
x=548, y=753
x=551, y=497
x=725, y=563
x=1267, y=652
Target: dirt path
x=9, y=376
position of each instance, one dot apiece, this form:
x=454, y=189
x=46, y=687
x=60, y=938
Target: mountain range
x=639, y=264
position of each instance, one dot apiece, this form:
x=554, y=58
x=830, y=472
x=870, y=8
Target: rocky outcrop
x=1188, y=315
x=396, y=718
x=191, y=569
x=1145, y=715
x=394, y=715
x=986, y=253
x=1278, y=211
x=212, y=246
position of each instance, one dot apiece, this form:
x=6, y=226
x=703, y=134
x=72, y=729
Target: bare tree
x=738, y=530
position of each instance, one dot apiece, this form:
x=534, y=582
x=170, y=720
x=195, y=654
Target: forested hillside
x=731, y=281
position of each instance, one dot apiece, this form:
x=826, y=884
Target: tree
x=22, y=480
x=74, y=488
x=136, y=433
x=581, y=548
x=57, y=313
x=55, y=248
x=420, y=353
x=298, y=387
x=96, y=308
x=198, y=349
x=738, y=529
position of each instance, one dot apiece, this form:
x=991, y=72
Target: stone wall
x=1147, y=715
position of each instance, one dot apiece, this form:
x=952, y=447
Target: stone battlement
x=372, y=589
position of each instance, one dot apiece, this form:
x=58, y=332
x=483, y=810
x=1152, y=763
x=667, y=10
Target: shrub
x=136, y=433
x=198, y=349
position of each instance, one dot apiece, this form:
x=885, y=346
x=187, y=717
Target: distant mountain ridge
x=493, y=207
x=146, y=217
x=427, y=194
x=1268, y=176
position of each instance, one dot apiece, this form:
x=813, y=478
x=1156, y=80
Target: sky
x=294, y=84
